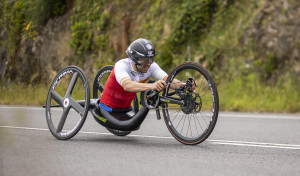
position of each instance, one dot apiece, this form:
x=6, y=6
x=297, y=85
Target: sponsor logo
x=150, y=53
x=165, y=100
x=148, y=46
x=49, y=116
x=66, y=102
x=102, y=119
x=65, y=133
x=101, y=75
x=60, y=76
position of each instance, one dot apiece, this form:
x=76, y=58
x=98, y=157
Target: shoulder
x=125, y=61
x=157, y=72
x=122, y=70
x=123, y=64
x=154, y=67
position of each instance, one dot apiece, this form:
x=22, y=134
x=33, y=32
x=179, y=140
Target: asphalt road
x=241, y=144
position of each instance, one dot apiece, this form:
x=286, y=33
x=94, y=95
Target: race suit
x=114, y=96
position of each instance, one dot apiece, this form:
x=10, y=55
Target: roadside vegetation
x=240, y=95
x=214, y=33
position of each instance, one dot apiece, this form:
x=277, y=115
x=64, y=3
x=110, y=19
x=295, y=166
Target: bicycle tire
x=208, y=99
x=65, y=130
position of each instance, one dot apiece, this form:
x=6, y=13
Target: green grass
x=246, y=94
x=20, y=94
x=250, y=95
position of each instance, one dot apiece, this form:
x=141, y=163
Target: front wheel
x=192, y=121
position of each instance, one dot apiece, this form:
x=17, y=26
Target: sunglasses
x=146, y=60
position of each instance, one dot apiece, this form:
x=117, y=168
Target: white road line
x=221, y=114
x=21, y=107
x=218, y=142
x=258, y=145
x=25, y=128
x=268, y=116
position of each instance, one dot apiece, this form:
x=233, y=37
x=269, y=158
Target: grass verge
x=20, y=94
x=248, y=94
x=241, y=94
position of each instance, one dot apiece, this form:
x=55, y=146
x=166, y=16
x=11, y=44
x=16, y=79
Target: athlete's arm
x=132, y=86
x=159, y=74
x=176, y=83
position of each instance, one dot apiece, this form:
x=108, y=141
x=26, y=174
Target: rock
x=41, y=59
x=3, y=61
x=275, y=29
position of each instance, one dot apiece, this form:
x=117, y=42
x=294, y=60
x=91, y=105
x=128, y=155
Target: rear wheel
x=100, y=80
x=98, y=88
x=67, y=102
x=194, y=119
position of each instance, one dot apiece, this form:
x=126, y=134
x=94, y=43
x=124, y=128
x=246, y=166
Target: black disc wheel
x=98, y=88
x=67, y=102
x=192, y=120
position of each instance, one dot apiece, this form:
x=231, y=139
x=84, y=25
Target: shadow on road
x=132, y=141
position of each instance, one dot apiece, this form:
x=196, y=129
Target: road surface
x=241, y=144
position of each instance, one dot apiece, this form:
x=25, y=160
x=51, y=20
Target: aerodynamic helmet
x=140, y=48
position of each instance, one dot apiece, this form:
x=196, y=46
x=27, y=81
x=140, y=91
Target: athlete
x=129, y=76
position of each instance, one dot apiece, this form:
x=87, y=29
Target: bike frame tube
x=172, y=100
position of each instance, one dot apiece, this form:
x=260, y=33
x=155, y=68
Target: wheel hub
x=191, y=104
x=66, y=102
x=188, y=106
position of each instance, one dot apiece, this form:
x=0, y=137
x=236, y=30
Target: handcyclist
x=130, y=75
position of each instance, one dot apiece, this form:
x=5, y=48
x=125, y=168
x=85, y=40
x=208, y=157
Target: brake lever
x=192, y=81
x=189, y=84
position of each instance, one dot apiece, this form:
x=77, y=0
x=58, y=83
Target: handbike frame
x=188, y=102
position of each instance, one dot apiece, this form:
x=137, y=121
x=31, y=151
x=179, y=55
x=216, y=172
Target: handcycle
x=190, y=115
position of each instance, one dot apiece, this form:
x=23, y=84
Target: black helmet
x=140, y=48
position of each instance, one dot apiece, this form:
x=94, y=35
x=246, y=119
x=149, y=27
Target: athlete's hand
x=159, y=85
x=193, y=86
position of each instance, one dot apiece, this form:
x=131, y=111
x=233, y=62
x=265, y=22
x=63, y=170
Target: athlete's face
x=145, y=64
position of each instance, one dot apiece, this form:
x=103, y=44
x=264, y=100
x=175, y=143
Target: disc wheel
x=98, y=88
x=194, y=119
x=67, y=102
